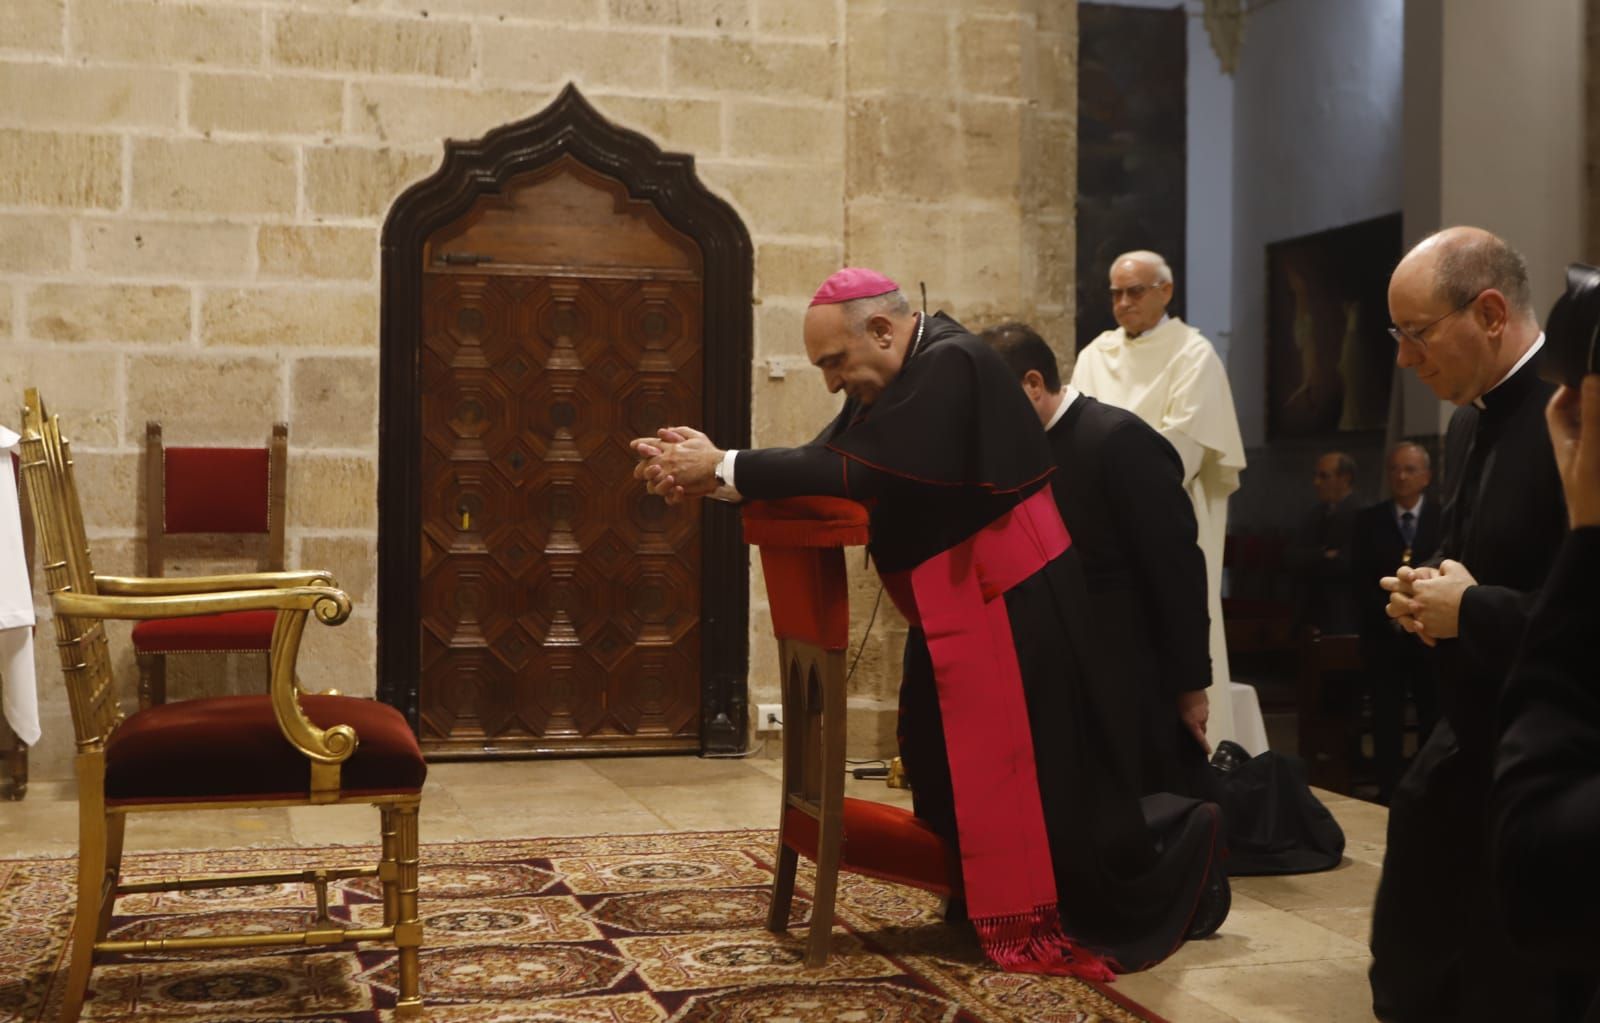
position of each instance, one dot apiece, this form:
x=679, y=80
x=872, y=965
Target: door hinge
x=463, y=258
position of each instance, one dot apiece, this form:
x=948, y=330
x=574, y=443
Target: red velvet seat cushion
x=884, y=842
x=236, y=630
x=230, y=747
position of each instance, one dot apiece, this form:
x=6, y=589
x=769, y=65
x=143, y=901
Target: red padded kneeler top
x=806, y=583
x=884, y=842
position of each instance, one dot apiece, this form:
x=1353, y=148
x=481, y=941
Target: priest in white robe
x=19, y=694
x=1167, y=373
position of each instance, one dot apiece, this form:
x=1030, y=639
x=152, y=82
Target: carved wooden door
x=560, y=602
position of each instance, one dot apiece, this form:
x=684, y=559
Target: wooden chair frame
x=814, y=708
x=153, y=664
x=81, y=602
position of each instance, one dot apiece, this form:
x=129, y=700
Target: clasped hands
x=678, y=462
x=1426, y=601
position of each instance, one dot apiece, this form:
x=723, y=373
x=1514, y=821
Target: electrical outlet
x=769, y=717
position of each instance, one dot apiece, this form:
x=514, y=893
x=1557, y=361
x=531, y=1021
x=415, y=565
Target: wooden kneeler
x=801, y=542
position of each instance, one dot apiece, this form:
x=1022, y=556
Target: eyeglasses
x=1134, y=291
x=1418, y=337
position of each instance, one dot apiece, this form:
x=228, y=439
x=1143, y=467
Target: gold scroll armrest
x=133, y=586
x=326, y=748
x=332, y=606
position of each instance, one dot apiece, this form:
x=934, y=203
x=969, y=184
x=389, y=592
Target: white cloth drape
x=1171, y=378
x=19, y=690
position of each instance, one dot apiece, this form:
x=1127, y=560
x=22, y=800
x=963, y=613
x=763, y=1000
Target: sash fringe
x=1035, y=943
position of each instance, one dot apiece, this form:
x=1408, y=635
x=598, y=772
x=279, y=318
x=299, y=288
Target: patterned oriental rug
x=614, y=929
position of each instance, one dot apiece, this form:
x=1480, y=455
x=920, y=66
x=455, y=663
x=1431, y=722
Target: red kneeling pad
x=884, y=842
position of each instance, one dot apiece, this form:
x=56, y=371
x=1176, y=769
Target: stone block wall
x=191, y=196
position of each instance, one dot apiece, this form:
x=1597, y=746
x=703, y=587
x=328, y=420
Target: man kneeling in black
x=1119, y=487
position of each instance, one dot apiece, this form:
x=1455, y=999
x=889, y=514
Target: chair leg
x=827, y=887
x=388, y=869
x=826, y=716
x=92, y=844
x=152, y=680
x=116, y=826
x=407, y=928
x=782, y=888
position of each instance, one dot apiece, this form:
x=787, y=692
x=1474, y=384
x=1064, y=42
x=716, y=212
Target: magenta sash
x=1006, y=868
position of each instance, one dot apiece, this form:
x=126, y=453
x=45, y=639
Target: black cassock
x=949, y=447
x=1120, y=491
x=1545, y=805
x=1439, y=944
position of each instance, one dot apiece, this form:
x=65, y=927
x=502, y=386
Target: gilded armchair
x=284, y=748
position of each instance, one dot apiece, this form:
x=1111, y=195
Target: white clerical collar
x=1146, y=333
x=1533, y=350
x=1069, y=394
x=1415, y=511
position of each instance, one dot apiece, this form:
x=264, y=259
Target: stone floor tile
x=1365, y=852
x=48, y=788
x=767, y=765
x=643, y=772
x=1362, y=821
x=1354, y=922
x=510, y=773
x=1256, y=933
x=334, y=825
x=1327, y=991
x=1351, y=883
x=39, y=827
x=442, y=819
x=208, y=829
x=1161, y=994
x=596, y=794
x=713, y=806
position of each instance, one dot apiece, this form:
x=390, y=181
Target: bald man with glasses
x=1464, y=323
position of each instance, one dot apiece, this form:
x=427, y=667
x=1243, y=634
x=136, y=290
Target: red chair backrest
x=217, y=490
x=801, y=541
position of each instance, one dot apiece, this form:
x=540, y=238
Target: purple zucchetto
x=851, y=283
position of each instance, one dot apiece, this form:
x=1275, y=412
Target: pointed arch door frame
x=570, y=126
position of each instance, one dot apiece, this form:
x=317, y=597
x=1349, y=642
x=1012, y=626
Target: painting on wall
x=1330, y=358
x=1132, y=148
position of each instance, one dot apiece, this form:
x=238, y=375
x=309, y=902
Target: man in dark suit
x=1319, y=557
x=1119, y=486
x=1464, y=321
x=1403, y=530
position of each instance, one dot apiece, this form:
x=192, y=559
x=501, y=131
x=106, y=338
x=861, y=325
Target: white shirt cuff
x=726, y=492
